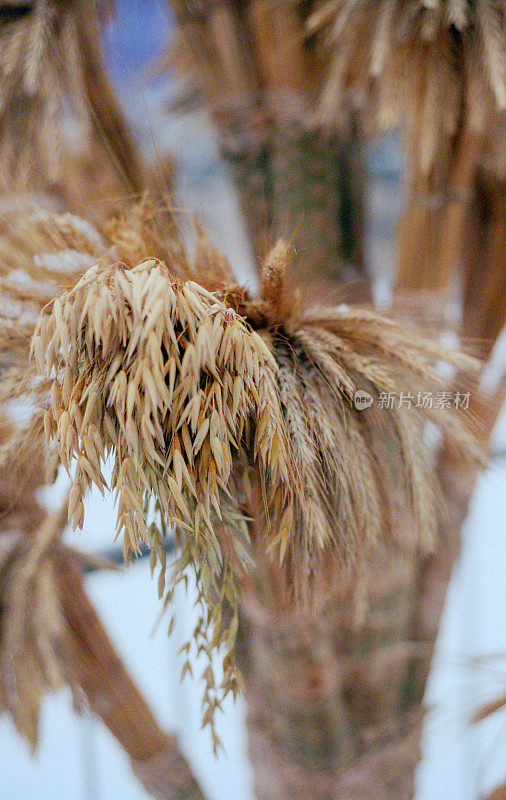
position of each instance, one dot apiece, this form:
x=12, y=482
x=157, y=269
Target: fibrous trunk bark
x=326, y=713
x=307, y=186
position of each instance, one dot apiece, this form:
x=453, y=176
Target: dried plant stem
x=107, y=116
x=434, y=570
x=466, y=152
x=277, y=33
x=433, y=575
x=498, y=794
x=47, y=535
x=484, y=311
x=431, y=232
x=112, y=694
x=490, y=708
x=484, y=314
x=416, y=235
x=223, y=25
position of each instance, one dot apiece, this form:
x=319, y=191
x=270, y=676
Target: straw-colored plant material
x=31, y=624
x=50, y=62
x=490, y=708
x=50, y=635
x=198, y=391
x=441, y=64
x=482, y=713
x=211, y=51
x=439, y=68
x=498, y=794
x=484, y=290
x=40, y=254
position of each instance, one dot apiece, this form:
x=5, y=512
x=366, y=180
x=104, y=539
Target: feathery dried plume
x=50, y=56
x=441, y=64
x=198, y=391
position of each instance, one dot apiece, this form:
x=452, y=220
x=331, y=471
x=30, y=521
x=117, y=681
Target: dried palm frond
x=199, y=392
x=441, y=64
x=50, y=63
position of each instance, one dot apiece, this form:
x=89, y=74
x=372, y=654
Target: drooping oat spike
x=173, y=383
x=168, y=378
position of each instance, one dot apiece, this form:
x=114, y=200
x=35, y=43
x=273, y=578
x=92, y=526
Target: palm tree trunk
x=326, y=718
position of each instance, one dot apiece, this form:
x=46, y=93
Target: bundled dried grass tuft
x=50, y=64
x=442, y=64
x=40, y=255
x=202, y=395
x=31, y=623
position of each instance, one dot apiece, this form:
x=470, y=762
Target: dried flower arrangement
x=228, y=417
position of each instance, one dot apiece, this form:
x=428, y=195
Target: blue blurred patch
x=138, y=33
